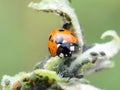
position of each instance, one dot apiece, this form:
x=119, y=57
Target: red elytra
x=57, y=34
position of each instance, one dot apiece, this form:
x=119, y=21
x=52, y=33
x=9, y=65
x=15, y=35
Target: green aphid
x=53, y=63
x=46, y=73
x=86, y=66
x=39, y=78
x=26, y=83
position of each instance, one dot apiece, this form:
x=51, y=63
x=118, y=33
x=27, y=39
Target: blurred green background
x=24, y=33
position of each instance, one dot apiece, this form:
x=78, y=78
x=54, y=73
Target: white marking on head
x=58, y=45
x=61, y=55
x=72, y=48
x=64, y=41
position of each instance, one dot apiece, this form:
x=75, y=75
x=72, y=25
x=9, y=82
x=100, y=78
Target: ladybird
x=62, y=42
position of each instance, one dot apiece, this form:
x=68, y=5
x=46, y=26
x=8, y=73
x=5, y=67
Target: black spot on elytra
x=61, y=30
x=49, y=49
x=72, y=34
x=50, y=38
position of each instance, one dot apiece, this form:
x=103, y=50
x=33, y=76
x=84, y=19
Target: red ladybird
x=62, y=42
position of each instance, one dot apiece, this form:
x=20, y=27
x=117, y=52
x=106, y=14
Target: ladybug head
x=66, y=49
